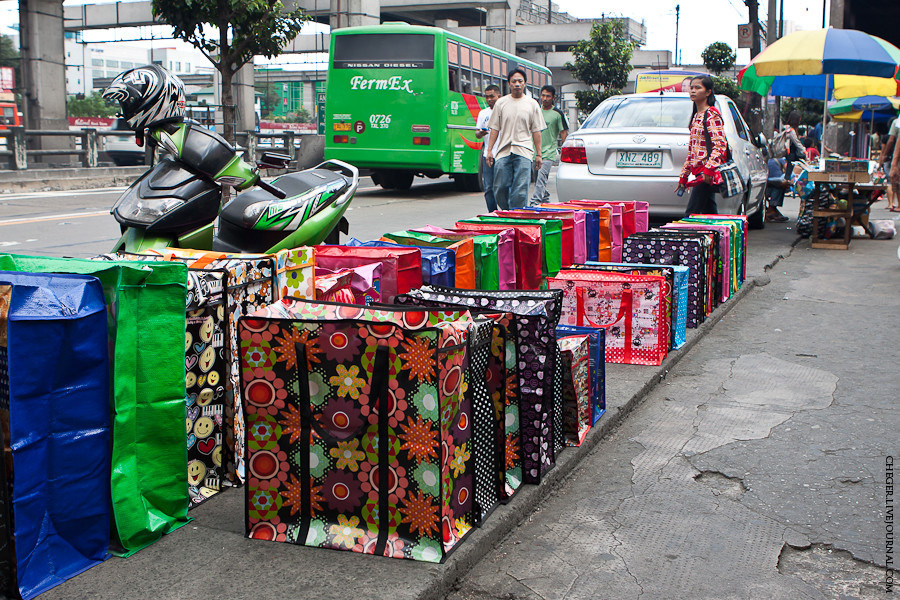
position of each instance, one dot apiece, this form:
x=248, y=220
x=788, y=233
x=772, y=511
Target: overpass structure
x=533, y=29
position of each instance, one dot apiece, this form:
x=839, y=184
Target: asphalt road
x=78, y=223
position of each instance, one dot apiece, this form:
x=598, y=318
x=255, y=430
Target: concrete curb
x=507, y=517
x=44, y=180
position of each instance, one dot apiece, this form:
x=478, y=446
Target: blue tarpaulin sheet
x=55, y=408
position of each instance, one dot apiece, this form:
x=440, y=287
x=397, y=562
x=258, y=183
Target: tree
x=90, y=106
x=603, y=62
x=810, y=110
x=230, y=33
x=718, y=57
x=726, y=86
x=270, y=100
x=9, y=57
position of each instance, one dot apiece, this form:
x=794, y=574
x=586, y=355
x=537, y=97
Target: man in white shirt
x=516, y=124
x=491, y=95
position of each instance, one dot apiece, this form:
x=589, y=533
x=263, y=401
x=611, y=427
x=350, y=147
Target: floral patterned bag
x=502, y=387
x=536, y=314
x=359, y=428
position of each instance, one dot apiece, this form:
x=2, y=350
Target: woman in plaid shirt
x=707, y=149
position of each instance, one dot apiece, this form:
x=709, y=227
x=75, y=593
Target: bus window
x=383, y=51
x=464, y=56
x=453, y=79
x=453, y=53
x=476, y=60
x=465, y=78
x=498, y=67
x=477, y=87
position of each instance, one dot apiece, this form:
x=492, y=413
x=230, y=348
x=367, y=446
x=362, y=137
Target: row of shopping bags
x=395, y=429
x=541, y=355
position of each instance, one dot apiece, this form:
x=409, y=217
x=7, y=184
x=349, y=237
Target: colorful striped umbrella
x=815, y=87
x=798, y=65
x=865, y=103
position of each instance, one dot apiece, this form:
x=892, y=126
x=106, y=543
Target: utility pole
x=772, y=110
x=677, y=13
x=753, y=5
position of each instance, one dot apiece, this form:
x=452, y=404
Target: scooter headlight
x=146, y=210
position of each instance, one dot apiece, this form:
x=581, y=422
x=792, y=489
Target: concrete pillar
x=500, y=25
x=836, y=16
x=354, y=13
x=245, y=98
x=44, y=73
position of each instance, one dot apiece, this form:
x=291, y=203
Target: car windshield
x=661, y=111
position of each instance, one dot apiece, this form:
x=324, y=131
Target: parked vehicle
x=632, y=147
x=176, y=202
x=122, y=149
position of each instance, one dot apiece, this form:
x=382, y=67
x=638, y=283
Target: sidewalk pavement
x=758, y=469
x=211, y=557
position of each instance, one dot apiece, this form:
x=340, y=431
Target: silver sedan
x=632, y=147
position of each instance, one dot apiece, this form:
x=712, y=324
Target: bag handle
x=709, y=140
x=581, y=317
x=379, y=394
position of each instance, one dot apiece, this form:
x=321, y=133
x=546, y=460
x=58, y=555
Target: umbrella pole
x=824, y=121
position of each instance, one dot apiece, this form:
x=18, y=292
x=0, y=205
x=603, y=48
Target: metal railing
x=14, y=145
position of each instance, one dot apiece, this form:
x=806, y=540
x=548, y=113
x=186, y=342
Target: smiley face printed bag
x=359, y=431
x=205, y=363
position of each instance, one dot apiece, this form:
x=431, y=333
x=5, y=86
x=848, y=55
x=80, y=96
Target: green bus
x=402, y=100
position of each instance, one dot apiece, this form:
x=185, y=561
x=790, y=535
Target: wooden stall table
x=847, y=181
x=861, y=217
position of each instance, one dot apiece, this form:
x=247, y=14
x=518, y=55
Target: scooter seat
x=293, y=184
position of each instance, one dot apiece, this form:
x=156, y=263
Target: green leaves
x=90, y=106
x=718, y=57
x=603, y=61
x=251, y=27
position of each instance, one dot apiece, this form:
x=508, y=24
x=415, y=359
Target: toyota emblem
x=639, y=139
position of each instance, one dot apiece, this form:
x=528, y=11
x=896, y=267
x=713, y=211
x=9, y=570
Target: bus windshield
x=384, y=51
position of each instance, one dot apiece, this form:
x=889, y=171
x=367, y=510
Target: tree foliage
x=718, y=57
x=810, y=110
x=603, y=62
x=726, y=86
x=230, y=33
x=90, y=106
x=9, y=57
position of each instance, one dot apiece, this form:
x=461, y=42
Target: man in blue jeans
x=516, y=124
x=491, y=95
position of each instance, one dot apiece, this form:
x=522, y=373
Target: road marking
x=9, y=243
x=53, y=218
x=87, y=192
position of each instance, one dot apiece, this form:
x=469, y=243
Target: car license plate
x=652, y=160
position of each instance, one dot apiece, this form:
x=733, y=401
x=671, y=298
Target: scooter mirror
x=274, y=160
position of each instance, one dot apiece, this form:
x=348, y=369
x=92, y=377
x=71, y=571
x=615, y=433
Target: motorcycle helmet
x=147, y=95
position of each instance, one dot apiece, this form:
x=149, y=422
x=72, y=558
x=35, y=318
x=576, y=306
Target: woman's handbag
x=732, y=184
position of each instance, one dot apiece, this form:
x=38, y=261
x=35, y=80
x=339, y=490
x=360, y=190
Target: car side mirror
x=760, y=141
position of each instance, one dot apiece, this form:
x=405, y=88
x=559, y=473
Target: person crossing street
x=516, y=125
x=557, y=127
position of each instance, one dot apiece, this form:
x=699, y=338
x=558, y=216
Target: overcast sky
x=701, y=23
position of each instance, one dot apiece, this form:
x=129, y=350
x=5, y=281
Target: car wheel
x=758, y=219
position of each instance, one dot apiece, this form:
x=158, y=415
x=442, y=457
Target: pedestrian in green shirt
x=556, y=127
